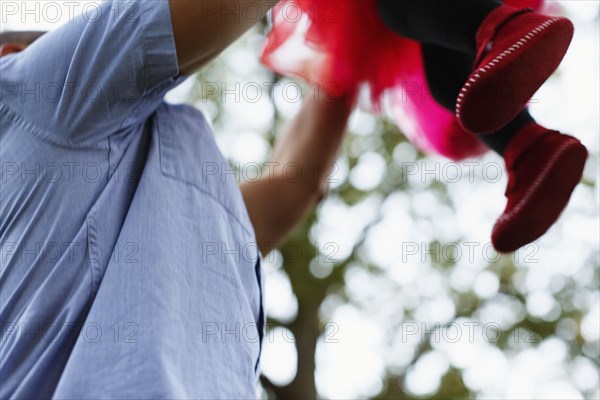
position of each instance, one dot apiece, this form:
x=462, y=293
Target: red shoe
x=543, y=169
x=518, y=50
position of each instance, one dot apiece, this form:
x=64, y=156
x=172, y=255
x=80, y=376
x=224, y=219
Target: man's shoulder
x=181, y=109
x=188, y=121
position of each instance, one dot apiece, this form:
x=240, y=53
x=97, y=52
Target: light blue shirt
x=129, y=266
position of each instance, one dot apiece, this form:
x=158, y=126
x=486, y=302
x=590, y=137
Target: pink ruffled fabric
x=339, y=44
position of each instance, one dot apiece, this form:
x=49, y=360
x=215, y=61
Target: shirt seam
x=195, y=186
x=44, y=134
x=210, y=195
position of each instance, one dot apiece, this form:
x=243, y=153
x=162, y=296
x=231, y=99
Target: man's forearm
x=301, y=163
x=313, y=139
x=204, y=28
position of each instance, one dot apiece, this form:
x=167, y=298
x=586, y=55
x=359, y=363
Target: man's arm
x=104, y=68
x=310, y=144
x=204, y=28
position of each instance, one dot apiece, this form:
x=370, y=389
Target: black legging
x=447, y=29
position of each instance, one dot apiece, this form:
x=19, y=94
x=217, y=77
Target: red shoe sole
x=543, y=204
x=495, y=93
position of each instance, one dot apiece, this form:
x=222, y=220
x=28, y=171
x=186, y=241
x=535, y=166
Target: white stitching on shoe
x=520, y=43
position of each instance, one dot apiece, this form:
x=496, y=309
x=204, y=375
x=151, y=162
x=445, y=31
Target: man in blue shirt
x=130, y=263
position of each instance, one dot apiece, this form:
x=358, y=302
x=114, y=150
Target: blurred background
x=391, y=288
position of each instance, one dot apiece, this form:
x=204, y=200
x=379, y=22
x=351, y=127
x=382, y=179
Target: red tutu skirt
x=340, y=44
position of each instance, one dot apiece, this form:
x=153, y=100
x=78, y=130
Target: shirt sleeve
x=105, y=70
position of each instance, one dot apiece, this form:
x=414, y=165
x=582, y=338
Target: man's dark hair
x=20, y=37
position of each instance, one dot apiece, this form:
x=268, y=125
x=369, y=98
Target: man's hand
x=302, y=161
x=204, y=28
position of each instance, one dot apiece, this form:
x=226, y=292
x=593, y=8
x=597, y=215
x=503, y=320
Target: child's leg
x=446, y=72
x=449, y=23
x=514, y=51
x=543, y=166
